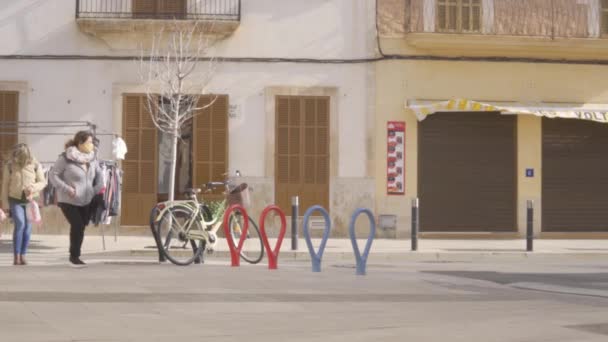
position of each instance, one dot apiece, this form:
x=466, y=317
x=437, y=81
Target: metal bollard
x=295, y=206
x=415, y=223
x=530, y=226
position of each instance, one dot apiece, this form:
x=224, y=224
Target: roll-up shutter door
x=574, y=176
x=467, y=177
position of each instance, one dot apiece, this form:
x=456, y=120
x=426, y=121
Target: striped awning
x=598, y=113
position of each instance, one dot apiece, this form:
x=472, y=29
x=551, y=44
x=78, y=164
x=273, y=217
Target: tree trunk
x=173, y=165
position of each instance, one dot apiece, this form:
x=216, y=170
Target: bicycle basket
x=240, y=196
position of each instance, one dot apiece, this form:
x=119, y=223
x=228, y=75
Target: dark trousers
x=79, y=218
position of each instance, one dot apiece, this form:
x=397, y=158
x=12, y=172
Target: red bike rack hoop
x=273, y=255
x=235, y=251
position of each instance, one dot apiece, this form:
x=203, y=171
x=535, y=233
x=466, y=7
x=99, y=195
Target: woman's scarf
x=73, y=154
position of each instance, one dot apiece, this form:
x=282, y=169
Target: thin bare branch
x=175, y=79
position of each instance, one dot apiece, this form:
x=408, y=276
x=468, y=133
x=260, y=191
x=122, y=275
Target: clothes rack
x=5, y=125
x=50, y=128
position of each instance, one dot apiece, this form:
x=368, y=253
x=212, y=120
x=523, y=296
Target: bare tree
x=177, y=70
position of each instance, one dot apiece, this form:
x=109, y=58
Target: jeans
x=79, y=218
x=23, y=229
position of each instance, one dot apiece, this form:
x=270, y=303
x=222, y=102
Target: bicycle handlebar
x=211, y=185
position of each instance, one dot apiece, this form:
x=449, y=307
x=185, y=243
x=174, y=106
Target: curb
x=403, y=256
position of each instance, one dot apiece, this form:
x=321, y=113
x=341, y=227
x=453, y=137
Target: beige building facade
x=290, y=118
x=472, y=166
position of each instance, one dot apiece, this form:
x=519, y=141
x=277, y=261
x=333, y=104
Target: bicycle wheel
x=253, y=248
x=171, y=230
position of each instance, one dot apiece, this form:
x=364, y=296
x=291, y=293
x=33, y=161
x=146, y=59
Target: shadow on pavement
x=6, y=246
x=596, y=281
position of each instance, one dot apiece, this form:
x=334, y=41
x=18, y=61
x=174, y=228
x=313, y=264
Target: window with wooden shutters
x=9, y=109
x=141, y=164
x=302, y=151
x=458, y=15
x=604, y=17
x=161, y=9
x=211, y=143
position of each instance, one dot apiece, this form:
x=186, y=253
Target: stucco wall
x=78, y=90
x=398, y=81
x=268, y=28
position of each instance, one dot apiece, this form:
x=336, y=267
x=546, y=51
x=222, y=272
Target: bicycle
x=191, y=222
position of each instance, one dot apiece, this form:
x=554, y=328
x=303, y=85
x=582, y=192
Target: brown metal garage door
x=466, y=175
x=575, y=176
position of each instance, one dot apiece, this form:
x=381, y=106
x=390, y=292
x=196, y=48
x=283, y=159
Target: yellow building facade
x=474, y=87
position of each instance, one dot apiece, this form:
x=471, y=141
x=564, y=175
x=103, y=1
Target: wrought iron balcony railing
x=222, y=10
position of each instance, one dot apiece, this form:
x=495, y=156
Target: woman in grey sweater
x=74, y=176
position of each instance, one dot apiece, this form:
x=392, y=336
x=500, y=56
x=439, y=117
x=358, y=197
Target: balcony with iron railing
x=489, y=27
x=112, y=19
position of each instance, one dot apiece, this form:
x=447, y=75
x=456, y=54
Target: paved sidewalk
x=533, y=300
x=52, y=249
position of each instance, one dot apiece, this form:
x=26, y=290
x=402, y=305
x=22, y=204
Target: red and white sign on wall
x=395, y=167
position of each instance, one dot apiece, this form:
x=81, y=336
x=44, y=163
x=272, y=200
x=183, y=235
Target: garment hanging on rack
x=119, y=148
x=107, y=205
x=49, y=193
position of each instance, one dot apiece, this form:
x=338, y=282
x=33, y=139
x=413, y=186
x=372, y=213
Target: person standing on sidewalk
x=74, y=176
x=22, y=181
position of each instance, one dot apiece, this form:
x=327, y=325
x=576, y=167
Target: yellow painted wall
x=398, y=81
x=529, y=155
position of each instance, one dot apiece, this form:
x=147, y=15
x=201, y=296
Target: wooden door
x=170, y=9
x=143, y=9
x=302, y=151
x=159, y=9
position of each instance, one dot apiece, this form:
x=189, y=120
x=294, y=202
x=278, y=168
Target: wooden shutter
x=442, y=15
x=458, y=15
x=282, y=178
x=140, y=167
x=302, y=151
x=9, y=109
x=9, y=113
x=604, y=18
x=452, y=15
x=211, y=143
x=465, y=15
x=315, y=163
x=475, y=16
x=144, y=8
x=172, y=8
x=470, y=15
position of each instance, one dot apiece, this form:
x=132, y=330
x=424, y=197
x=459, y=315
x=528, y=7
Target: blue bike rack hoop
x=362, y=258
x=316, y=257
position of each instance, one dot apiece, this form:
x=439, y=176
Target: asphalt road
x=138, y=300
